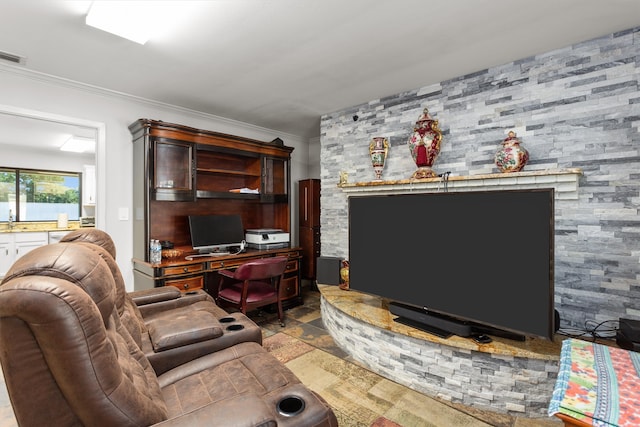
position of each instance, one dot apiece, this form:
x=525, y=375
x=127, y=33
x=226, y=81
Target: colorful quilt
x=598, y=385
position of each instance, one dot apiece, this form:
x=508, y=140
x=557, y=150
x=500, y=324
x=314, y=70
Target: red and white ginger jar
x=511, y=157
x=424, y=145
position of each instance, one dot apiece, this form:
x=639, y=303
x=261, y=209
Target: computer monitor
x=215, y=233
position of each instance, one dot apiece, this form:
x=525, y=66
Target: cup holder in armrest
x=236, y=327
x=227, y=319
x=290, y=406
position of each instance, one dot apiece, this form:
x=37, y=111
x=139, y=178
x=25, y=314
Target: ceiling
x=20, y=132
x=282, y=64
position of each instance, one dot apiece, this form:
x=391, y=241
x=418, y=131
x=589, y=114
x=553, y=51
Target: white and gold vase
x=378, y=150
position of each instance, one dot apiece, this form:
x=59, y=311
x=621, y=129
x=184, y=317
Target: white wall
x=24, y=89
x=314, y=158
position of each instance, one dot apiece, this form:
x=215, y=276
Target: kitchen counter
x=26, y=227
x=32, y=230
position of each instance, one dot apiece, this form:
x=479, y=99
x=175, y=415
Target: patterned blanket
x=598, y=385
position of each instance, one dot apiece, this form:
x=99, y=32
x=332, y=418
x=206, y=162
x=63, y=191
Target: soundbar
x=434, y=323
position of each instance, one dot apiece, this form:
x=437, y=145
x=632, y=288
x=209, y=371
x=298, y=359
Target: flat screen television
x=216, y=233
x=463, y=263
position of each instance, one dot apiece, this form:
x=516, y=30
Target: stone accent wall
x=576, y=107
x=507, y=384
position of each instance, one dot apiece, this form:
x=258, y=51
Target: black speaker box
x=630, y=329
x=328, y=270
x=627, y=344
x=628, y=334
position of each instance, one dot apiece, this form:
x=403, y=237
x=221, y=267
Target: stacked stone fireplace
x=575, y=110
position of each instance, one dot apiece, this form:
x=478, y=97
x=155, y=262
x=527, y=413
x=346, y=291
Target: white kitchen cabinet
x=7, y=253
x=89, y=185
x=14, y=245
x=25, y=241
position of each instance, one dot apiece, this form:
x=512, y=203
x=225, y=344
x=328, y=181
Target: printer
x=267, y=238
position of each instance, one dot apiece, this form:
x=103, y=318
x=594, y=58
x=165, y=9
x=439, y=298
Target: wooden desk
x=201, y=272
x=597, y=385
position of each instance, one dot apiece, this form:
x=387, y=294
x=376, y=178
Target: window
x=37, y=195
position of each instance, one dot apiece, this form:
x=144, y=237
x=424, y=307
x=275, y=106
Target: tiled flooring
x=360, y=398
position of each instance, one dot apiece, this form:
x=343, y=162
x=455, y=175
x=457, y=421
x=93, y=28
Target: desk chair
x=253, y=285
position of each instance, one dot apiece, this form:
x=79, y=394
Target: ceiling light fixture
x=78, y=144
x=127, y=19
x=140, y=21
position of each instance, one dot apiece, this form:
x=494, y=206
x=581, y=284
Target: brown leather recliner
x=149, y=301
x=170, y=329
x=68, y=360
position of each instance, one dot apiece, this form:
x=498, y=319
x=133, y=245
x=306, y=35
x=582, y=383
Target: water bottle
x=155, y=252
x=158, y=252
x=152, y=250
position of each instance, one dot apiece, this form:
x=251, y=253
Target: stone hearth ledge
x=564, y=181
x=515, y=377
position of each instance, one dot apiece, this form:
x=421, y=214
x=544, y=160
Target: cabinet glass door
x=173, y=177
x=275, y=176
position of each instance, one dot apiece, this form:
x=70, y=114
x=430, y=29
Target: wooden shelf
x=206, y=194
x=564, y=181
x=227, y=172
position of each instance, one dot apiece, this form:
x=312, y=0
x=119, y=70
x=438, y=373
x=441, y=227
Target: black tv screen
x=211, y=233
x=483, y=259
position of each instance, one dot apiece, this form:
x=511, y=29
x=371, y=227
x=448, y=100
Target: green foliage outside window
x=39, y=195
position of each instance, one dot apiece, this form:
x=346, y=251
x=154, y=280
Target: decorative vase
x=511, y=157
x=424, y=145
x=378, y=150
x=344, y=275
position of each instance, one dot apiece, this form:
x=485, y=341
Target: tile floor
x=360, y=398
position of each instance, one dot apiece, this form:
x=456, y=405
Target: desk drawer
x=230, y=264
x=292, y=265
x=187, y=283
x=289, y=287
x=182, y=269
x=290, y=254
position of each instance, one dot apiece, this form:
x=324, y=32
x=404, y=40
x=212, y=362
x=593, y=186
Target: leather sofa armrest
x=184, y=299
x=170, y=332
x=241, y=411
x=154, y=295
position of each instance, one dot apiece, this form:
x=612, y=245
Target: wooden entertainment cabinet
x=181, y=171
